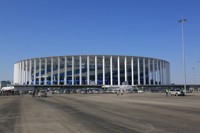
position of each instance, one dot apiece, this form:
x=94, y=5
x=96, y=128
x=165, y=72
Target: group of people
x=120, y=92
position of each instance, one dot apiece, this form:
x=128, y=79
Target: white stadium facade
x=80, y=70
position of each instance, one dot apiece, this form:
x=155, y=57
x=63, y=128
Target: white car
x=31, y=92
x=140, y=91
x=42, y=93
x=49, y=94
x=176, y=92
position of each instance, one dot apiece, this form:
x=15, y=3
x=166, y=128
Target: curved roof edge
x=93, y=55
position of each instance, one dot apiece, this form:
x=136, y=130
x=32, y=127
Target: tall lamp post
x=182, y=21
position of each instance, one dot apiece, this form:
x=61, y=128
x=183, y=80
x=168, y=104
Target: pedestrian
x=122, y=91
x=33, y=94
x=118, y=91
x=166, y=91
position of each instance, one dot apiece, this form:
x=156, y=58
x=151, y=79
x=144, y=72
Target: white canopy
x=7, y=88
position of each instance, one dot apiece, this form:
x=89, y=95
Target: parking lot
x=100, y=113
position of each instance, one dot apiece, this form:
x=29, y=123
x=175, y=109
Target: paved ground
x=102, y=113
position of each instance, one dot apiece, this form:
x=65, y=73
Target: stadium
x=80, y=70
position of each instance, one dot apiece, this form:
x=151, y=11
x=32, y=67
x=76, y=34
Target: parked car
x=31, y=92
x=16, y=93
x=42, y=93
x=140, y=91
x=176, y=92
x=49, y=94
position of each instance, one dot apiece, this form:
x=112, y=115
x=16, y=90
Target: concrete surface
x=100, y=113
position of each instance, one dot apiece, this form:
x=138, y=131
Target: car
x=129, y=90
x=42, y=93
x=16, y=93
x=176, y=92
x=49, y=94
x=140, y=91
x=30, y=92
x=114, y=91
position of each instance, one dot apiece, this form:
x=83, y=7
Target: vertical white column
x=95, y=70
x=154, y=72
x=160, y=72
x=17, y=76
x=125, y=68
x=169, y=76
x=88, y=70
x=58, y=76
x=149, y=70
x=103, y=70
x=157, y=72
x=14, y=78
x=138, y=64
x=45, y=71
x=144, y=72
x=163, y=72
x=19, y=73
x=39, y=71
x=80, y=70
x=26, y=71
x=65, y=78
x=22, y=72
x=34, y=77
x=118, y=69
x=30, y=72
x=51, y=70
x=132, y=71
x=111, y=71
x=72, y=70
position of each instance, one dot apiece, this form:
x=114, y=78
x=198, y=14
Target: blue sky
x=39, y=28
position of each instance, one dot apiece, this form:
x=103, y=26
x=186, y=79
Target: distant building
x=92, y=70
x=4, y=84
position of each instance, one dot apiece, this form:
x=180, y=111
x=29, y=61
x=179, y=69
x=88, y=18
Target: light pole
x=182, y=21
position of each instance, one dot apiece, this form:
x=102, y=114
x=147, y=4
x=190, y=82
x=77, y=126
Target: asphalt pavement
x=100, y=113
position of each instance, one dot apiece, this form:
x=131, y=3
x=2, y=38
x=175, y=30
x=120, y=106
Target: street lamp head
x=182, y=20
